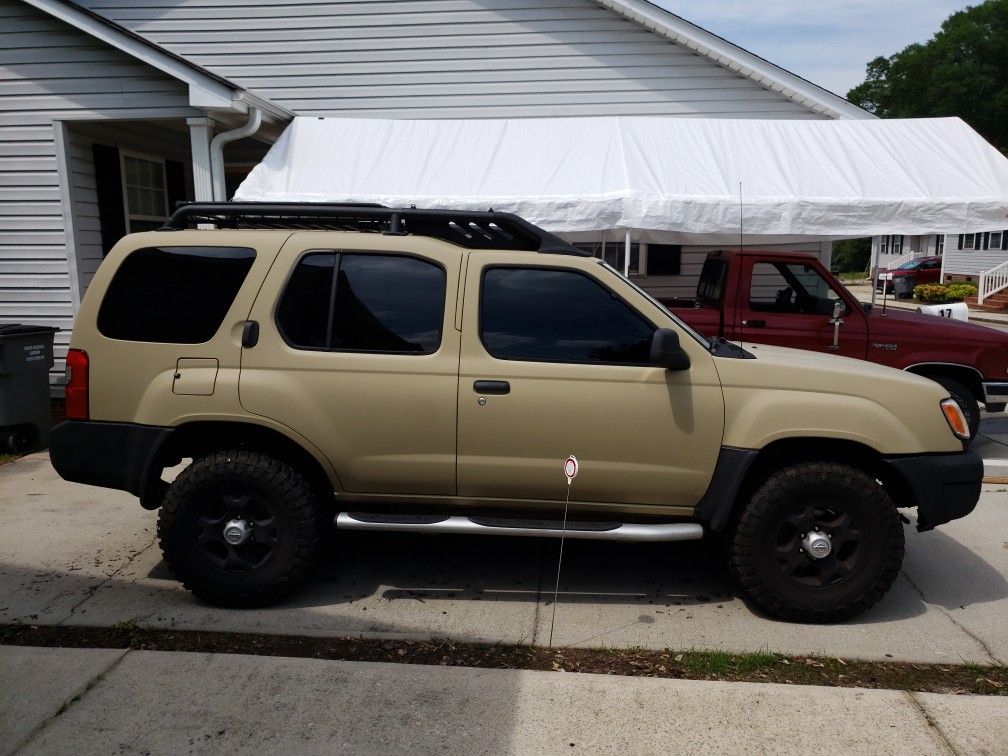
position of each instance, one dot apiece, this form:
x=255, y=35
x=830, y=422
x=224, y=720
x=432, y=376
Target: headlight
x=956, y=419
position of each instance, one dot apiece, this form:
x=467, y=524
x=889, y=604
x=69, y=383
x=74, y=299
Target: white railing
x=992, y=281
x=893, y=264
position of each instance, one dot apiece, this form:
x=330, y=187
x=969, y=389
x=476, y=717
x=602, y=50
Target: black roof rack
x=467, y=228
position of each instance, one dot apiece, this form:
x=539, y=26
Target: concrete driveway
x=74, y=554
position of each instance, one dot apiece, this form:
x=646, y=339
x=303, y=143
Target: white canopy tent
x=672, y=180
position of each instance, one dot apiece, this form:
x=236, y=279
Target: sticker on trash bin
x=570, y=468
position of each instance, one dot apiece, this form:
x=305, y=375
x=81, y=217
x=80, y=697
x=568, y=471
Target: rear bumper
x=945, y=487
x=112, y=455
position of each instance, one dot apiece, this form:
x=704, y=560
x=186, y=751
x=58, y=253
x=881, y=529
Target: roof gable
x=731, y=56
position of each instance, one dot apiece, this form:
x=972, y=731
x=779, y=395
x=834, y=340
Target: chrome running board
x=593, y=531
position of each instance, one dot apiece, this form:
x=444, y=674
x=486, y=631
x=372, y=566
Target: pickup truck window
x=790, y=288
x=363, y=303
x=548, y=315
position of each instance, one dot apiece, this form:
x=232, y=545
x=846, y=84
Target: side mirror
x=666, y=351
x=839, y=309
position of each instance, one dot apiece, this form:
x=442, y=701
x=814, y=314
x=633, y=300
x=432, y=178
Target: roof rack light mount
x=467, y=228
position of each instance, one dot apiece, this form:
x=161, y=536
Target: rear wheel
x=817, y=542
x=966, y=401
x=239, y=528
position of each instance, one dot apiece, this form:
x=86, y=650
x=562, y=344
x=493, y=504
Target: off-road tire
x=966, y=401
x=299, y=531
x=755, y=561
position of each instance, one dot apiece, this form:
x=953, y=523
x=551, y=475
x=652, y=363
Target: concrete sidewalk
x=102, y=701
x=72, y=554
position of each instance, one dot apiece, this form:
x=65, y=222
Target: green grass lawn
x=856, y=275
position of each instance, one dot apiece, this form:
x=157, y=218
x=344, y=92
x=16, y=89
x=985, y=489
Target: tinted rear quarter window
x=176, y=295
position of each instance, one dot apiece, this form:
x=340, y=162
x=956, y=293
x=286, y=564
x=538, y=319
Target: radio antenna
x=738, y=327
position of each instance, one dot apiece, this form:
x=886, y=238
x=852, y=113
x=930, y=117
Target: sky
x=826, y=41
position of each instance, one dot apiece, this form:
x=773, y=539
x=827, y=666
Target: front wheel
x=239, y=528
x=817, y=542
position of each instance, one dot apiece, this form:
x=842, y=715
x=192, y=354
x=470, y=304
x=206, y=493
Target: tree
x=851, y=255
x=961, y=71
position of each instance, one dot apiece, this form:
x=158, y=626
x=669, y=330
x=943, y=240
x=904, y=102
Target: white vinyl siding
x=448, y=58
x=50, y=71
x=131, y=135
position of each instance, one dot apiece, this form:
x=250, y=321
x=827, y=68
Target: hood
x=797, y=393
x=936, y=326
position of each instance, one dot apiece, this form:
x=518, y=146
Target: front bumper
x=111, y=455
x=945, y=487
x=995, y=393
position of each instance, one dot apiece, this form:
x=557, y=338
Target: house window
x=663, y=260
x=884, y=245
x=144, y=192
x=940, y=244
x=896, y=245
x=614, y=253
x=967, y=241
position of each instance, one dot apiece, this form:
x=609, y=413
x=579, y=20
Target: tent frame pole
x=626, y=255
x=874, y=279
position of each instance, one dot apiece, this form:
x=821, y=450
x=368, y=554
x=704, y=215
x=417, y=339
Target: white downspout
x=217, y=150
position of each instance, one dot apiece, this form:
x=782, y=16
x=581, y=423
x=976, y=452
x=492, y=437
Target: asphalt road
x=72, y=554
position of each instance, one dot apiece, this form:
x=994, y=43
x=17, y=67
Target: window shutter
x=174, y=183
x=108, y=180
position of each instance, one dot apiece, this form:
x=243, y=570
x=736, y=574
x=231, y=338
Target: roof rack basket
x=466, y=228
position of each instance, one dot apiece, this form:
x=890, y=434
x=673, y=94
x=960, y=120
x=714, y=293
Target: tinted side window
x=176, y=295
x=365, y=303
x=304, y=308
x=544, y=315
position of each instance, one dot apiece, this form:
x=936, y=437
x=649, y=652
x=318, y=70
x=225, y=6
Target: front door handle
x=754, y=323
x=492, y=387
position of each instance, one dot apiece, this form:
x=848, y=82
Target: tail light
x=77, y=385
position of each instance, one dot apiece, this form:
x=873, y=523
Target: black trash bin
x=26, y=354
x=903, y=286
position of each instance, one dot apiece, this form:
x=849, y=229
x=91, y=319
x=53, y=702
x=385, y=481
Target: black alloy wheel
x=817, y=541
x=240, y=528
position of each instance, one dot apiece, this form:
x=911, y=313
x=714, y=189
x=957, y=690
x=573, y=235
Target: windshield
x=702, y=339
x=912, y=265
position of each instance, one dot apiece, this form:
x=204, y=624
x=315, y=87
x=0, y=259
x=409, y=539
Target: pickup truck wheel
x=239, y=528
x=966, y=401
x=817, y=542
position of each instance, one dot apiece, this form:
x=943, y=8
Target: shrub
x=941, y=294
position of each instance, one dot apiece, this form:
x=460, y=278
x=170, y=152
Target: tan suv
x=400, y=369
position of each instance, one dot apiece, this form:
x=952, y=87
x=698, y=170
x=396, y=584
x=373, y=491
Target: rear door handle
x=754, y=323
x=492, y=387
x=250, y=334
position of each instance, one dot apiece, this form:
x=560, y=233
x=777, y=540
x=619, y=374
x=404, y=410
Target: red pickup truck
x=792, y=300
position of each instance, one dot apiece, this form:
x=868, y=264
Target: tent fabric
x=797, y=178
